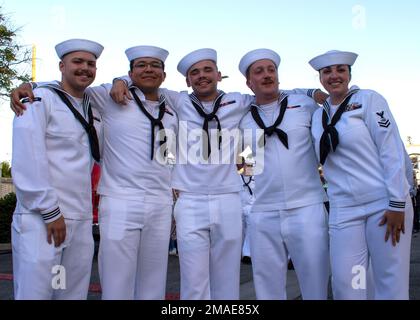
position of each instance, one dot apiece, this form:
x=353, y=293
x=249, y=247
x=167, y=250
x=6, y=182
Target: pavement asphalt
x=172, y=293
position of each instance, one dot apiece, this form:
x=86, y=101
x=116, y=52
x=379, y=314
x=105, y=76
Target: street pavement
x=172, y=289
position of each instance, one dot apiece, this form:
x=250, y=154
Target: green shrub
x=6, y=169
x=7, y=206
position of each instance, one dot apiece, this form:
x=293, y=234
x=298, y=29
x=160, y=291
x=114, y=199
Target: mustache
x=268, y=81
x=84, y=73
x=203, y=79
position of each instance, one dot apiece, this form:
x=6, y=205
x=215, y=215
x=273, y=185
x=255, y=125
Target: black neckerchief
x=329, y=138
x=272, y=129
x=208, y=117
x=87, y=125
x=246, y=184
x=154, y=122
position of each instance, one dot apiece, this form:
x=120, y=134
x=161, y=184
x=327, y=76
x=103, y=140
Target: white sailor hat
x=73, y=45
x=146, y=51
x=196, y=56
x=255, y=55
x=332, y=58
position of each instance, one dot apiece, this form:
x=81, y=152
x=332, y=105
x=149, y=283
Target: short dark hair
x=247, y=73
x=326, y=67
x=132, y=64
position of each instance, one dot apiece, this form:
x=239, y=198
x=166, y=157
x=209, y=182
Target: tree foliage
x=6, y=169
x=13, y=57
x=7, y=206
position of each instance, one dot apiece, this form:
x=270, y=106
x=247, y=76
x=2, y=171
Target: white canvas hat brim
x=255, y=55
x=196, y=56
x=146, y=51
x=74, y=45
x=332, y=58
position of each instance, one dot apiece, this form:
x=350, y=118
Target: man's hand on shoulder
x=320, y=96
x=120, y=93
x=23, y=91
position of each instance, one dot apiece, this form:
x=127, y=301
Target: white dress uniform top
x=51, y=171
x=366, y=177
x=127, y=169
x=288, y=215
x=217, y=175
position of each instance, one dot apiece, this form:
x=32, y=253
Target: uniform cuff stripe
x=49, y=215
x=310, y=93
x=397, y=204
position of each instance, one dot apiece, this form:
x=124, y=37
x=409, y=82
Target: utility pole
x=33, y=63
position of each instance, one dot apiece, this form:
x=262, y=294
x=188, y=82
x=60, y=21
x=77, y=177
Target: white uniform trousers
x=133, y=251
x=303, y=234
x=355, y=236
x=246, y=247
x=209, y=235
x=43, y=272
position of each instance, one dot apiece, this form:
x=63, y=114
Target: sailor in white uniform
x=208, y=212
x=53, y=146
x=288, y=215
x=136, y=195
x=357, y=142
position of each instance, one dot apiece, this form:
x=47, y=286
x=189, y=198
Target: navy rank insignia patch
x=352, y=106
x=224, y=104
x=26, y=100
x=383, y=122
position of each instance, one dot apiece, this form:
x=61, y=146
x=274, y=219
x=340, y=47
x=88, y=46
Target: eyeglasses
x=153, y=65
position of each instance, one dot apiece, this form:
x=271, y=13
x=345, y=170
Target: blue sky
x=384, y=33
